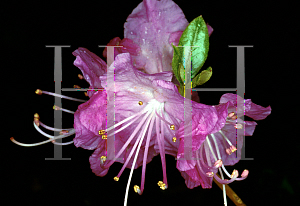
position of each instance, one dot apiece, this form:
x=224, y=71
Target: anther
x=76, y=87
x=104, y=136
x=172, y=127
x=218, y=163
x=174, y=139
x=210, y=174
x=245, y=173
x=103, y=159
x=232, y=148
x=231, y=114
x=80, y=76
x=38, y=91
x=115, y=178
x=238, y=126
x=85, y=93
x=140, y=103
x=162, y=185
x=137, y=189
x=101, y=132
x=56, y=107
x=234, y=174
x=228, y=151
x=36, y=118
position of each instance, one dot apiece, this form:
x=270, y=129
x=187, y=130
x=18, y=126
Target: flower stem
x=231, y=194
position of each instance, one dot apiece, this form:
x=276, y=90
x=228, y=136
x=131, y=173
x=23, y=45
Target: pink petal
x=150, y=25
x=91, y=66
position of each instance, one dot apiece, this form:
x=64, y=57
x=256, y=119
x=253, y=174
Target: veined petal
x=89, y=118
x=150, y=25
x=126, y=46
x=91, y=66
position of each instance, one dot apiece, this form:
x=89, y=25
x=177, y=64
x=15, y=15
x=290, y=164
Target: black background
x=30, y=180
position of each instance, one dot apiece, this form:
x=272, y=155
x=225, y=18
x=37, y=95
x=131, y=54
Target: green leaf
x=196, y=36
x=176, y=64
x=202, y=77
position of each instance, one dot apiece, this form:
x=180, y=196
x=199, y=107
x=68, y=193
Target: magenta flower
x=215, y=151
x=146, y=105
x=148, y=110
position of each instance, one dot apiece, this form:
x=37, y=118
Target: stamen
x=245, y=173
x=76, y=87
x=128, y=118
x=64, y=110
x=137, y=189
x=36, y=118
x=127, y=142
x=104, y=136
x=140, y=103
x=44, y=142
x=238, y=126
x=80, y=76
x=39, y=92
x=85, y=94
x=63, y=132
x=116, y=178
x=225, y=137
x=161, y=147
x=101, y=132
x=232, y=116
x=218, y=164
x=210, y=174
x=172, y=127
x=51, y=128
x=141, y=137
x=102, y=159
x=174, y=139
x=234, y=174
x=146, y=153
x=230, y=150
x=162, y=185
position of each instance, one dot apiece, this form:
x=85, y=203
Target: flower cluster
x=143, y=112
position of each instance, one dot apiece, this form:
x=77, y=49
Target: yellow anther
x=140, y=103
x=36, y=119
x=174, y=139
x=104, y=136
x=77, y=87
x=103, y=158
x=163, y=187
x=38, y=91
x=136, y=188
x=80, y=76
x=86, y=94
x=36, y=116
x=160, y=183
x=172, y=127
x=101, y=132
x=116, y=179
x=234, y=174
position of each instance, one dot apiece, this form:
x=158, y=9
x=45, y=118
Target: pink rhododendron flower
x=148, y=112
x=216, y=149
